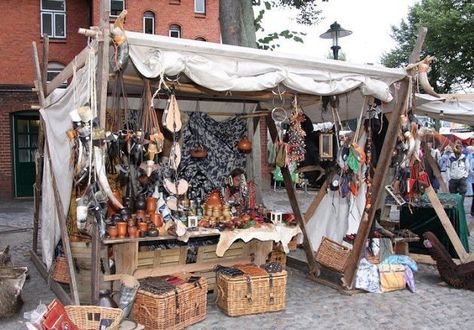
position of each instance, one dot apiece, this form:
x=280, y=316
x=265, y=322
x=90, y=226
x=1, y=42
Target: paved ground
x=309, y=305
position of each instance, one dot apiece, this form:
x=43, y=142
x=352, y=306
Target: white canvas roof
x=453, y=108
x=239, y=69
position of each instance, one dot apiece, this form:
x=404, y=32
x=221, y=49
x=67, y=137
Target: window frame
x=123, y=8
x=178, y=30
x=150, y=17
x=56, y=67
x=203, y=12
x=53, y=13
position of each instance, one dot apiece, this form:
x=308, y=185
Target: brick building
x=60, y=19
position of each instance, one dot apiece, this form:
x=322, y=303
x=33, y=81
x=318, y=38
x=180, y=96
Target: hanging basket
x=333, y=255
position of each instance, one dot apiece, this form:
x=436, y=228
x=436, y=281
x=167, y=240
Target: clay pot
x=112, y=231
x=131, y=222
x=115, y=218
x=213, y=199
x=244, y=145
x=150, y=205
x=157, y=220
x=140, y=215
x=121, y=229
x=132, y=231
x=143, y=226
x=140, y=203
x=152, y=231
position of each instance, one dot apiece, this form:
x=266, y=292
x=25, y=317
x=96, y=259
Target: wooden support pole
x=44, y=77
x=447, y=225
x=312, y=265
x=67, y=72
x=64, y=233
x=434, y=167
x=377, y=185
x=102, y=84
x=39, y=160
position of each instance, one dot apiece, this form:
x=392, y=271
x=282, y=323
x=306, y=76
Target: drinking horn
x=102, y=177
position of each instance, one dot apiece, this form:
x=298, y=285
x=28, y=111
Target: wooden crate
x=166, y=257
x=81, y=254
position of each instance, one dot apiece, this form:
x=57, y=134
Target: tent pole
x=45, y=61
x=377, y=186
x=39, y=159
x=313, y=266
x=102, y=82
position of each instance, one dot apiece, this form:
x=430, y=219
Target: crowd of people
x=456, y=164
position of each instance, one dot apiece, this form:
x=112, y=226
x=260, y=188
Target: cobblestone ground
x=308, y=305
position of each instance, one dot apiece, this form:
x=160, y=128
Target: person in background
x=444, y=164
x=459, y=166
x=434, y=152
x=470, y=179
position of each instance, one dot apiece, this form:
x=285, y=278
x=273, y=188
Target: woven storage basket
x=88, y=317
x=243, y=295
x=333, y=255
x=61, y=270
x=172, y=310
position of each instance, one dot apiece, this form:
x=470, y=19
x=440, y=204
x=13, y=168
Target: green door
x=25, y=140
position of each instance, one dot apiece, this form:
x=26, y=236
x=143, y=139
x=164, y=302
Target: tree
x=239, y=24
x=450, y=39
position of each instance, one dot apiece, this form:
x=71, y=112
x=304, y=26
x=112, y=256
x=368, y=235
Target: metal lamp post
x=335, y=32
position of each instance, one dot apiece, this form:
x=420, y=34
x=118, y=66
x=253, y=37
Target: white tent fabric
x=231, y=68
x=451, y=108
x=57, y=121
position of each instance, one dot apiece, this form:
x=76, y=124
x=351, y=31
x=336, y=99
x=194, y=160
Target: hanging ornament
x=296, y=135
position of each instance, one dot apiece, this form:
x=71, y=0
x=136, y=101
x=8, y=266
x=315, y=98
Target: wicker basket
x=278, y=255
x=333, y=255
x=244, y=295
x=175, y=309
x=89, y=317
x=61, y=270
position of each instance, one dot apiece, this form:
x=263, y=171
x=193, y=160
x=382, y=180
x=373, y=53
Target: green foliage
x=450, y=39
x=307, y=14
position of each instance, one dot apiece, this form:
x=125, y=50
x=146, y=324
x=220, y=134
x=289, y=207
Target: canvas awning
x=453, y=108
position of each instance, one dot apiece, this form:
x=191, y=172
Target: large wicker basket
x=243, y=295
x=176, y=309
x=333, y=255
x=89, y=317
x=61, y=270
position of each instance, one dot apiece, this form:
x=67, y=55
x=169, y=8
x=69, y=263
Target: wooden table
x=141, y=264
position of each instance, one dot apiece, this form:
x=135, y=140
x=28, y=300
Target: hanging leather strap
x=249, y=289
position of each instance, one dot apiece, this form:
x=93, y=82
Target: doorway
x=25, y=140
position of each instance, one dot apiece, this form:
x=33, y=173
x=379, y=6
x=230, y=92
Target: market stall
x=153, y=183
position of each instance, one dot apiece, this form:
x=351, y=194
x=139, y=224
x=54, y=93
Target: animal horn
x=102, y=177
x=423, y=79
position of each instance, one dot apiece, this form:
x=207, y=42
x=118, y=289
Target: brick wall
x=10, y=101
x=169, y=12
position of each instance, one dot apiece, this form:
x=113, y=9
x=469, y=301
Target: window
x=149, y=22
x=53, y=18
x=175, y=31
x=116, y=7
x=200, y=6
x=54, y=69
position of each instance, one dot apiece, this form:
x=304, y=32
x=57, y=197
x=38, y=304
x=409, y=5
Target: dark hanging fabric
x=220, y=140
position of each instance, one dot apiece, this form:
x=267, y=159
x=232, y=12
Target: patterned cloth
x=220, y=140
x=367, y=277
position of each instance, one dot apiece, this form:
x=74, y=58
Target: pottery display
x=156, y=219
x=112, y=231
x=150, y=205
x=214, y=199
x=121, y=229
x=132, y=231
x=143, y=226
x=152, y=231
x=140, y=215
x=125, y=213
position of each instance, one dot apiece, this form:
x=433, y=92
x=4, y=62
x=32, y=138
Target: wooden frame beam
x=313, y=266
